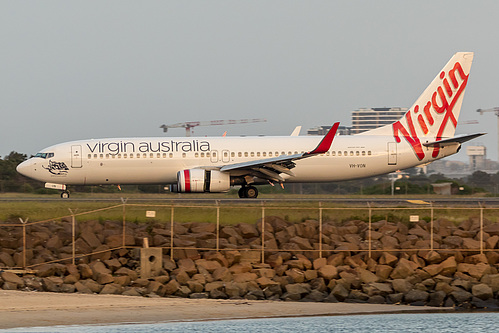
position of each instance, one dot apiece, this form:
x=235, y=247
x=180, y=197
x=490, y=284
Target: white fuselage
x=157, y=160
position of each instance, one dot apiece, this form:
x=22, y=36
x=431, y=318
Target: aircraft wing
x=453, y=140
x=271, y=168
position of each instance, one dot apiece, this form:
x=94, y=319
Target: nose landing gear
x=65, y=194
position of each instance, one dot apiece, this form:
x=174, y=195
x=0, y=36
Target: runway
x=358, y=201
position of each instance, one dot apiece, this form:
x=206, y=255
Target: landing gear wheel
x=250, y=192
x=65, y=194
x=241, y=192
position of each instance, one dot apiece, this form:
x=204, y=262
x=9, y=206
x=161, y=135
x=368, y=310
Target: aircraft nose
x=24, y=168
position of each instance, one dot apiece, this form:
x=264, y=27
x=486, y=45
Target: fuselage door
x=392, y=153
x=214, y=156
x=76, y=156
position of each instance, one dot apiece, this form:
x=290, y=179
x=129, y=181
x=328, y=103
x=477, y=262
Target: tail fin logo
x=440, y=106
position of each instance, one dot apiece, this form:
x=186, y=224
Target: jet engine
x=199, y=180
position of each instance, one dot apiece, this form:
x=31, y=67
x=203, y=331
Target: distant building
x=368, y=119
x=478, y=156
x=322, y=130
x=364, y=120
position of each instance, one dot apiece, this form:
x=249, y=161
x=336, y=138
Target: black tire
x=250, y=192
x=241, y=192
x=64, y=194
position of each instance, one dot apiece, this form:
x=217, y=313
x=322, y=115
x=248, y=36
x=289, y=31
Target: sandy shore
x=29, y=309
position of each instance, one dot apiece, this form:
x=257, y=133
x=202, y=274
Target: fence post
x=123, y=201
x=481, y=228
x=73, y=235
x=218, y=225
x=263, y=232
x=171, y=234
x=431, y=226
x=24, y=240
x=320, y=229
x=370, y=218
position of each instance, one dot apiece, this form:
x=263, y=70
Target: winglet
x=326, y=141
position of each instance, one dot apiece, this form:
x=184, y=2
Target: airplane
x=214, y=164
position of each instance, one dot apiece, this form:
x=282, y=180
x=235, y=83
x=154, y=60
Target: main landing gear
x=248, y=192
x=65, y=194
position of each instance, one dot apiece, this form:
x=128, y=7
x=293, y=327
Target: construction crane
x=496, y=110
x=190, y=124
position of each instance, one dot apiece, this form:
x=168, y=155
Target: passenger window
x=119, y=155
x=164, y=155
x=258, y=154
x=345, y=153
x=368, y=152
x=245, y=154
x=107, y=155
x=196, y=155
x=363, y=153
x=138, y=155
x=183, y=155
x=339, y=153
x=89, y=156
x=264, y=154
x=207, y=154
x=357, y=153
x=333, y=153
x=95, y=155
x=171, y=155
x=252, y=154
x=124, y=155
x=240, y=154
x=270, y=154
x=226, y=154
x=233, y=154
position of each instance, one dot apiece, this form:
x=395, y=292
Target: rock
x=198, y=295
x=340, y=292
x=244, y=277
x=7, y=259
x=366, y=277
x=395, y=298
x=12, y=278
x=89, y=237
x=491, y=280
x=315, y=296
x=402, y=286
x=172, y=287
x=248, y=230
x=491, y=242
x=297, y=275
x=209, y=265
x=328, y=272
x=403, y=269
x=81, y=288
x=437, y=298
x=460, y=296
x=448, y=266
x=298, y=288
x=416, y=295
x=482, y=291
x=111, y=289
x=383, y=271
x=319, y=262
x=92, y=285
x=470, y=243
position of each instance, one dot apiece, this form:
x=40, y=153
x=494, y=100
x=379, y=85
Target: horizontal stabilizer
x=453, y=140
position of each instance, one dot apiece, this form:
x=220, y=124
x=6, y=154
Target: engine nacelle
x=199, y=180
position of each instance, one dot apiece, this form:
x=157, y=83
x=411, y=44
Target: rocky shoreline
x=454, y=274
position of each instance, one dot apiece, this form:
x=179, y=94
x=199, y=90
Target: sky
x=73, y=70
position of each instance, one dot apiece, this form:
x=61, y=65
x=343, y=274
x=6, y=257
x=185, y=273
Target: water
x=411, y=323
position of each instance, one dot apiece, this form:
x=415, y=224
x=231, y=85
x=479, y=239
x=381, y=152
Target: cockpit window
x=44, y=155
